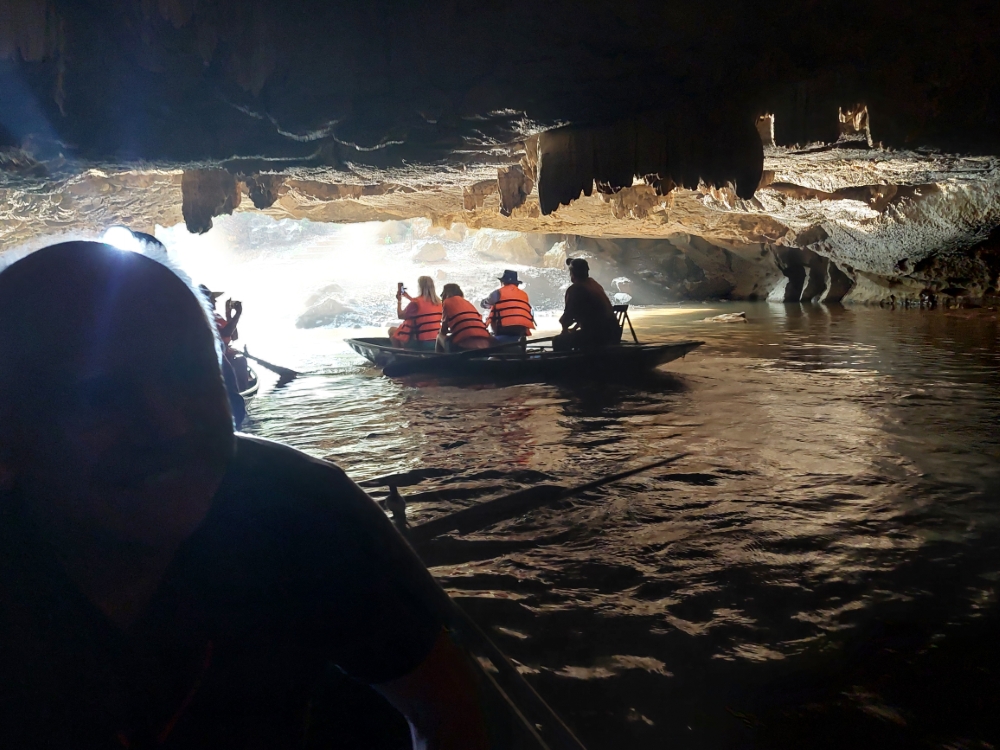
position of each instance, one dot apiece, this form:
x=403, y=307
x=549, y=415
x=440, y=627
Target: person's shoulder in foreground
x=285, y=514
x=163, y=583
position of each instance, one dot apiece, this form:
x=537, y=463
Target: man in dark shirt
x=588, y=319
x=164, y=583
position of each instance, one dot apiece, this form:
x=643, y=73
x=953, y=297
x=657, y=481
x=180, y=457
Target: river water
x=819, y=571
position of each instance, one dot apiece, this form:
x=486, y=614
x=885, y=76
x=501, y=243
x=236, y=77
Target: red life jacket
x=512, y=309
x=424, y=325
x=463, y=320
x=221, y=323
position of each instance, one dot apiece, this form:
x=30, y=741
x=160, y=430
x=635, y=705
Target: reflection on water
x=840, y=490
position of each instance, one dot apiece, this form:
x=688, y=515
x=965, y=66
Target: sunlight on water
x=843, y=461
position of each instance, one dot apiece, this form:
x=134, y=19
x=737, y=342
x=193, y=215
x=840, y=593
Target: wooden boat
x=246, y=378
x=513, y=362
x=252, y=385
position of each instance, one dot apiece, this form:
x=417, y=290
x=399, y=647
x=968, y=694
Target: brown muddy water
x=821, y=571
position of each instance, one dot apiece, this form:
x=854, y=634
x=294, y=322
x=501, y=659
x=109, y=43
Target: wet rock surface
x=839, y=225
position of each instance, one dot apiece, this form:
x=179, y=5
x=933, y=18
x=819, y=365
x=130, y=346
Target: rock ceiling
x=634, y=119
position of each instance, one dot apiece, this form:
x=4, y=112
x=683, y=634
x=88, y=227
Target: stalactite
x=664, y=150
x=207, y=193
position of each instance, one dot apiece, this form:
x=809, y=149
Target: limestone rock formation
x=555, y=256
x=323, y=308
x=207, y=193
x=514, y=187
x=509, y=247
x=830, y=164
x=430, y=252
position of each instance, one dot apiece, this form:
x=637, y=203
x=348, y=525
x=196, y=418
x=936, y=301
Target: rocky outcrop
x=514, y=187
x=265, y=189
x=430, y=252
x=509, y=247
x=324, y=308
x=854, y=127
x=826, y=223
x=207, y=193
x=859, y=226
x=555, y=256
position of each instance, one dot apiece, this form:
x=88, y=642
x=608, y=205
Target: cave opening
x=769, y=522
x=298, y=276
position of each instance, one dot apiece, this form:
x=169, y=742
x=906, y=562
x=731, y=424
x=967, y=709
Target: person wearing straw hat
x=510, y=315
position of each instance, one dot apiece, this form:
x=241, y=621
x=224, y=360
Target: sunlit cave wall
x=305, y=274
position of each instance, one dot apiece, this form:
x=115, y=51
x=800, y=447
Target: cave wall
x=323, y=82
x=753, y=139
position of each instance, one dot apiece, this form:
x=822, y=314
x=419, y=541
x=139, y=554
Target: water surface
x=820, y=571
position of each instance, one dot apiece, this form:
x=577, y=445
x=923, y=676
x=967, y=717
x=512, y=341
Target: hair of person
x=451, y=290
x=579, y=267
x=427, y=291
x=150, y=247
x=94, y=263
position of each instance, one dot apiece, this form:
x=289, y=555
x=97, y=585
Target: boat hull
x=543, y=364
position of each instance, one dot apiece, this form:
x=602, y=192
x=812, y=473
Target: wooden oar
x=517, y=503
x=535, y=715
x=537, y=718
x=472, y=353
x=282, y=372
x=526, y=706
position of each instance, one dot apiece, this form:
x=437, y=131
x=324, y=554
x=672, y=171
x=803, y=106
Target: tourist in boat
x=168, y=583
x=226, y=325
x=226, y=328
x=461, y=325
x=421, y=317
x=589, y=318
x=228, y=333
x=510, y=315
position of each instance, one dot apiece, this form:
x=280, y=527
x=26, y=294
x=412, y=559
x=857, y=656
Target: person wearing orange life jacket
x=510, y=311
x=461, y=320
x=421, y=317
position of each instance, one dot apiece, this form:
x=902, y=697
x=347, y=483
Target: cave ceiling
x=741, y=123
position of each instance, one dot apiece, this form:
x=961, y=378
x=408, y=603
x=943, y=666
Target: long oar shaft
x=283, y=372
x=516, y=503
x=472, y=353
x=526, y=703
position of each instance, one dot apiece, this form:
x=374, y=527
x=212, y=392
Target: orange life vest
x=221, y=323
x=463, y=320
x=512, y=309
x=424, y=325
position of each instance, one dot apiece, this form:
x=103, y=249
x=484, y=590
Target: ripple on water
x=841, y=470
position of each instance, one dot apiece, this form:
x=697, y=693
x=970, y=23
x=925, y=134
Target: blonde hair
x=427, y=291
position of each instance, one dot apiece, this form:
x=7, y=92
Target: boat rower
x=461, y=326
x=589, y=318
x=421, y=317
x=510, y=316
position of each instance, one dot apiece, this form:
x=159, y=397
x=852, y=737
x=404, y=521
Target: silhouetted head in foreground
x=114, y=421
x=579, y=269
